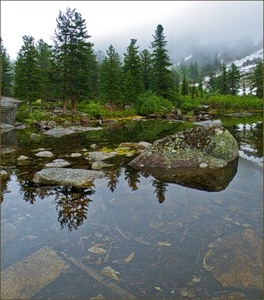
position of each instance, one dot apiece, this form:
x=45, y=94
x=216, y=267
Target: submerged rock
x=60, y=131
x=44, y=154
x=57, y=163
x=237, y=261
x=98, y=156
x=202, y=157
x=67, y=177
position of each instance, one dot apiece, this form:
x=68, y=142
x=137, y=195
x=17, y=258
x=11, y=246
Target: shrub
x=150, y=103
x=23, y=113
x=237, y=103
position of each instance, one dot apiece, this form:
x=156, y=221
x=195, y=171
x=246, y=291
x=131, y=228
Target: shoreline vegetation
x=198, y=109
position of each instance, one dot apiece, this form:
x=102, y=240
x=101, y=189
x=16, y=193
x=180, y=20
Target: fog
x=187, y=24
x=213, y=24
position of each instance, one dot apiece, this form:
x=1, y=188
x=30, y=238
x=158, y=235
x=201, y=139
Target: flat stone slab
x=237, y=261
x=97, y=155
x=24, y=279
x=57, y=163
x=60, y=131
x=67, y=177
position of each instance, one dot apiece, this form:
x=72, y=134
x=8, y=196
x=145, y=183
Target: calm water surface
x=154, y=235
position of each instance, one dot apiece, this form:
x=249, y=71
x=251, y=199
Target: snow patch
x=187, y=57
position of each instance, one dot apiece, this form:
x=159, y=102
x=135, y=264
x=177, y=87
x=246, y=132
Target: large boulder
x=67, y=177
x=202, y=157
x=9, y=107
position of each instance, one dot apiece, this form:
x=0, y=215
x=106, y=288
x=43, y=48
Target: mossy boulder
x=192, y=157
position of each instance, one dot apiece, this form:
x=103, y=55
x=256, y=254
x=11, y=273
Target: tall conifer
x=161, y=77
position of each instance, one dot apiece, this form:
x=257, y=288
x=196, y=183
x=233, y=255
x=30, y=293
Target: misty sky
x=116, y=22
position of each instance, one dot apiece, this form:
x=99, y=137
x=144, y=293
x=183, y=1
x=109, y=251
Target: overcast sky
x=116, y=22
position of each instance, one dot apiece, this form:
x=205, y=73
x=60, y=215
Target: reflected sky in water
x=164, y=228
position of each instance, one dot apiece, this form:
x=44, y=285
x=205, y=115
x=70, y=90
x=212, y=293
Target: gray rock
x=57, y=163
x=22, y=157
x=3, y=173
x=76, y=154
x=93, y=146
x=67, y=177
x=97, y=155
x=143, y=145
x=33, y=136
x=9, y=107
x=99, y=165
x=44, y=154
x=59, y=132
x=209, y=123
x=203, y=157
x=6, y=127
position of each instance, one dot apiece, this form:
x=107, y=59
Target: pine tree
x=132, y=68
x=200, y=89
x=145, y=57
x=111, y=77
x=161, y=77
x=185, y=87
x=176, y=78
x=71, y=50
x=44, y=63
x=6, y=80
x=28, y=81
x=233, y=79
x=223, y=80
x=212, y=84
x=258, y=79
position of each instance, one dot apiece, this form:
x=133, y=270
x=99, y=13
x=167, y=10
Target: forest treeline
x=69, y=72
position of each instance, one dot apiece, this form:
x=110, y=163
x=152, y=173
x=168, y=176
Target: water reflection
x=157, y=250
x=72, y=205
x=197, y=178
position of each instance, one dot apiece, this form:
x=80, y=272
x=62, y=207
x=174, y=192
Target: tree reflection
x=71, y=202
x=113, y=174
x=132, y=176
x=160, y=190
x=72, y=205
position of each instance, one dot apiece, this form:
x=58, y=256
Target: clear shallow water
x=154, y=234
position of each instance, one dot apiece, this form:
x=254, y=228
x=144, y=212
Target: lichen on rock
x=200, y=157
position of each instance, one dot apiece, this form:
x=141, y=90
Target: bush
x=92, y=108
x=237, y=103
x=189, y=104
x=150, y=103
x=23, y=113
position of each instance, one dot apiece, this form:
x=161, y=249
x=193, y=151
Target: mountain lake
x=129, y=235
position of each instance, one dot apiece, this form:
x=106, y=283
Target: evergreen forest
x=69, y=73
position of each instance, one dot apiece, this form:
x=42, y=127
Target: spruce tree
x=6, y=81
x=212, y=84
x=176, y=78
x=185, y=87
x=233, y=80
x=258, y=79
x=44, y=63
x=111, y=77
x=200, y=88
x=145, y=57
x=71, y=50
x=223, y=80
x=132, y=68
x=28, y=80
x=161, y=77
